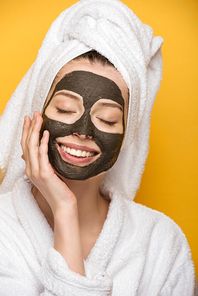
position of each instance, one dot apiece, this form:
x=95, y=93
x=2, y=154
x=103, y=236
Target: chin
x=66, y=180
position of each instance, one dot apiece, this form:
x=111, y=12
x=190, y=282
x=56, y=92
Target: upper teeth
x=78, y=153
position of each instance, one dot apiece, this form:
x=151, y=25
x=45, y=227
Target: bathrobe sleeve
x=172, y=266
x=58, y=279
x=21, y=273
x=180, y=279
x=168, y=267
x=180, y=282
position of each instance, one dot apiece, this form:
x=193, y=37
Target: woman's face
x=85, y=113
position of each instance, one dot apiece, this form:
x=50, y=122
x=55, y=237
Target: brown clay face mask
x=91, y=87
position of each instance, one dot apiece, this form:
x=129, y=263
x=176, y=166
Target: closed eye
x=111, y=123
x=65, y=111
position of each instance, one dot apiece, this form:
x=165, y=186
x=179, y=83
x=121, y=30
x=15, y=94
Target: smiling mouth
x=77, y=152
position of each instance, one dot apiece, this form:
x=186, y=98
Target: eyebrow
x=68, y=94
x=113, y=105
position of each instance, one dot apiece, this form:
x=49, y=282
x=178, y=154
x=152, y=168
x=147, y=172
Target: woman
x=73, y=230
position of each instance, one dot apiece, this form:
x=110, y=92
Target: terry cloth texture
x=112, y=29
x=138, y=252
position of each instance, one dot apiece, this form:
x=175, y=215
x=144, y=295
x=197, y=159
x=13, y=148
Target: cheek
x=55, y=128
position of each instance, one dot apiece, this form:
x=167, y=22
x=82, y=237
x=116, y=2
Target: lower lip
x=75, y=160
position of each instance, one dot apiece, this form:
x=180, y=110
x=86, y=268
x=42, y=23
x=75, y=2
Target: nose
x=84, y=127
x=82, y=137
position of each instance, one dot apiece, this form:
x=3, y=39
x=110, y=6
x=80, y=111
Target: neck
x=92, y=207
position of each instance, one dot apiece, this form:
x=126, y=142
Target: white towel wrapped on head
x=112, y=29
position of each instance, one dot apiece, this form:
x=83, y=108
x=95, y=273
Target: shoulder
x=9, y=221
x=160, y=245
x=10, y=201
x=6, y=206
x=152, y=220
x=155, y=232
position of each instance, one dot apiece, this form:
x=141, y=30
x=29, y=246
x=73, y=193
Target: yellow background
x=170, y=180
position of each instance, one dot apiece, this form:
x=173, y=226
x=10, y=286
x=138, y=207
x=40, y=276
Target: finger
x=27, y=149
x=35, y=127
x=25, y=133
x=24, y=142
x=33, y=140
x=26, y=127
x=30, y=129
x=44, y=165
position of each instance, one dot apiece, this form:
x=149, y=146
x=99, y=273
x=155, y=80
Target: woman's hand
x=38, y=168
x=61, y=199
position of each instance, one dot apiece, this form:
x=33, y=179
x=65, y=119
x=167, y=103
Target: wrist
x=65, y=213
x=67, y=240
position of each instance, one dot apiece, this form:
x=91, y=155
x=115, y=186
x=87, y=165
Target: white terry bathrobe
x=139, y=251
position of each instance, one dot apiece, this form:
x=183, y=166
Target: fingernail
x=45, y=133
